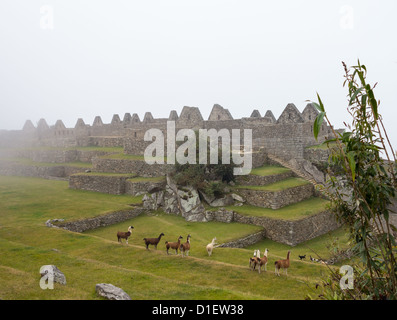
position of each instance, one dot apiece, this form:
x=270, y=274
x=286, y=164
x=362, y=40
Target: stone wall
x=59, y=156
x=277, y=199
x=112, y=184
x=246, y=241
x=290, y=232
x=137, y=188
x=100, y=221
x=139, y=167
x=254, y=180
x=316, y=155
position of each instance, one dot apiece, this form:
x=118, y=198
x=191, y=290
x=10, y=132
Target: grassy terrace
x=91, y=148
x=95, y=256
x=277, y=186
x=29, y=162
x=269, y=171
x=295, y=211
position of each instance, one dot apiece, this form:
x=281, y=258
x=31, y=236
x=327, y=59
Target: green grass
x=296, y=211
x=29, y=162
x=95, y=256
x=269, y=171
x=90, y=148
x=277, y=186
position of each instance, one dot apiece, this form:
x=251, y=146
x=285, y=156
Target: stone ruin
x=285, y=137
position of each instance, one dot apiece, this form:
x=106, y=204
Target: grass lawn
x=95, y=256
x=29, y=162
x=295, y=211
x=269, y=171
x=277, y=186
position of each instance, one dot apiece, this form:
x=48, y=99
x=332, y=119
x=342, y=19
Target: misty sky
x=107, y=57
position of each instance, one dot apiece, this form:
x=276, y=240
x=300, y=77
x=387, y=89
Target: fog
x=77, y=59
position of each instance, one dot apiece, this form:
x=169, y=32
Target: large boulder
x=111, y=292
x=183, y=201
x=227, y=200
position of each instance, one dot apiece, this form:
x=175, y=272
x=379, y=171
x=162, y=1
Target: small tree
x=362, y=195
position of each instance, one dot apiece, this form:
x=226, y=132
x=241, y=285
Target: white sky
x=115, y=56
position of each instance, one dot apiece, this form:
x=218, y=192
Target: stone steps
x=293, y=169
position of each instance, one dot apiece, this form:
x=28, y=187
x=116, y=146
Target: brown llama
x=254, y=260
x=282, y=264
x=263, y=261
x=185, y=247
x=152, y=241
x=173, y=245
x=124, y=235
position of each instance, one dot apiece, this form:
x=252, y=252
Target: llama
x=263, y=261
x=173, y=245
x=124, y=235
x=255, y=259
x=185, y=247
x=152, y=241
x=282, y=264
x=211, y=246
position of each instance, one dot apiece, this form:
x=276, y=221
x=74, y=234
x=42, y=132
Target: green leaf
x=317, y=124
x=317, y=106
x=352, y=164
x=372, y=101
x=321, y=105
x=355, y=95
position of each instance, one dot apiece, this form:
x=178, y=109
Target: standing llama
x=211, y=246
x=282, y=264
x=185, y=247
x=173, y=245
x=263, y=261
x=124, y=235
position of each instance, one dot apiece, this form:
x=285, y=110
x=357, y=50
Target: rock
x=153, y=201
x=59, y=277
x=223, y=202
x=236, y=197
x=317, y=175
x=207, y=198
x=111, y=292
x=221, y=215
x=49, y=222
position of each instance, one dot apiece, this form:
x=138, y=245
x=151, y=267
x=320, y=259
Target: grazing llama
x=282, y=264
